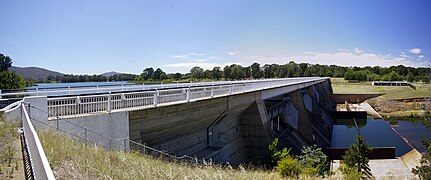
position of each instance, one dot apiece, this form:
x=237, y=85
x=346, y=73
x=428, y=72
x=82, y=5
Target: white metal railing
x=39, y=163
x=109, y=102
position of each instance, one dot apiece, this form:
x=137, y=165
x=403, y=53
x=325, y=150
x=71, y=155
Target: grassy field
x=340, y=86
x=71, y=160
x=10, y=152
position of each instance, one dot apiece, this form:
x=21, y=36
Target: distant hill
x=35, y=73
x=111, y=73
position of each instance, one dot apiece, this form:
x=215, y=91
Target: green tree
x=357, y=155
x=159, y=75
x=11, y=80
x=256, y=73
x=197, y=72
x=410, y=77
x=226, y=72
x=147, y=73
x=392, y=76
x=5, y=62
x=216, y=73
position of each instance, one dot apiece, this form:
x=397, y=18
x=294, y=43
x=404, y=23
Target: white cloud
x=233, y=53
x=178, y=56
x=404, y=55
x=344, y=50
x=358, y=51
x=415, y=51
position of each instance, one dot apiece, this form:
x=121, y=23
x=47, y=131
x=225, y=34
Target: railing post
x=243, y=88
x=0, y=94
x=67, y=88
x=58, y=125
x=230, y=89
x=254, y=86
x=188, y=94
x=109, y=102
x=156, y=97
x=212, y=92
x=85, y=135
x=97, y=88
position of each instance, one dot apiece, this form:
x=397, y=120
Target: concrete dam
x=227, y=121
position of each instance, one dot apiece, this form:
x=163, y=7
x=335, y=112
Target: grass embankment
x=72, y=160
x=396, y=101
x=10, y=152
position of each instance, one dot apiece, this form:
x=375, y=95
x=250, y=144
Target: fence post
x=212, y=92
x=109, y=102
x=243, y=88
x=254, y=86
x=124, y=144
x=85, y=135
x=156, y=96
x=97, y=88
x=230, y=89
x=0, y=94
x=58, y=125
x=67, y=88
x=188, y=94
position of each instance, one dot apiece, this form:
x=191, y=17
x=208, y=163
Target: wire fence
x=90, y=137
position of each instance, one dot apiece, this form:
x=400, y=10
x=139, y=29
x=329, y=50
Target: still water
x=378, y=133
x=413, y=131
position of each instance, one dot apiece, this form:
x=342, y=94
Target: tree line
x=292, y=69
x=256, y=71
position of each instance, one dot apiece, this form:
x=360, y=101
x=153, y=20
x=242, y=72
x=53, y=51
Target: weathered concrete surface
x=192, y=127
x=304, y=124
x=107, y=130
x=412, y=158
x=353, y=98
x=381, y=169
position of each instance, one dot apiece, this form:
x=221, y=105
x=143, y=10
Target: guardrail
x=40, y=168
x=172, y=94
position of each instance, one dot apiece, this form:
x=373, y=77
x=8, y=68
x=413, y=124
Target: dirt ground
x=416, y=107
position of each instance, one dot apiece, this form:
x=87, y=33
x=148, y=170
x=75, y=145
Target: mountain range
x=37, y=73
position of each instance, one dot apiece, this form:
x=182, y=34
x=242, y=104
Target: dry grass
x=71, y=160
x=10, y=151
x=340, y=86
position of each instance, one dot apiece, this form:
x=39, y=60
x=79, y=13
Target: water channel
x=404, y=135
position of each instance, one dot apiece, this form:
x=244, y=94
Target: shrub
x=350, y=173
x=275, y=154
x=289, y=167
x=312, y=158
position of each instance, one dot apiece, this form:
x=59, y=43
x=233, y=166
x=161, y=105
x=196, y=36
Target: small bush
x=313, y=158
x=275, y=154
x=350, y=173
x=289, y=167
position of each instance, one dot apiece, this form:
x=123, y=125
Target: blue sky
x=87, y=37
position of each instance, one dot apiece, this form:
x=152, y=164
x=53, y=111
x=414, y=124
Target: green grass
x=71, y=160
x=340, y=86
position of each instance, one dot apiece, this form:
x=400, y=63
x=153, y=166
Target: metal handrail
x=70, y=90
x=39, y=163
x=105, y=103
